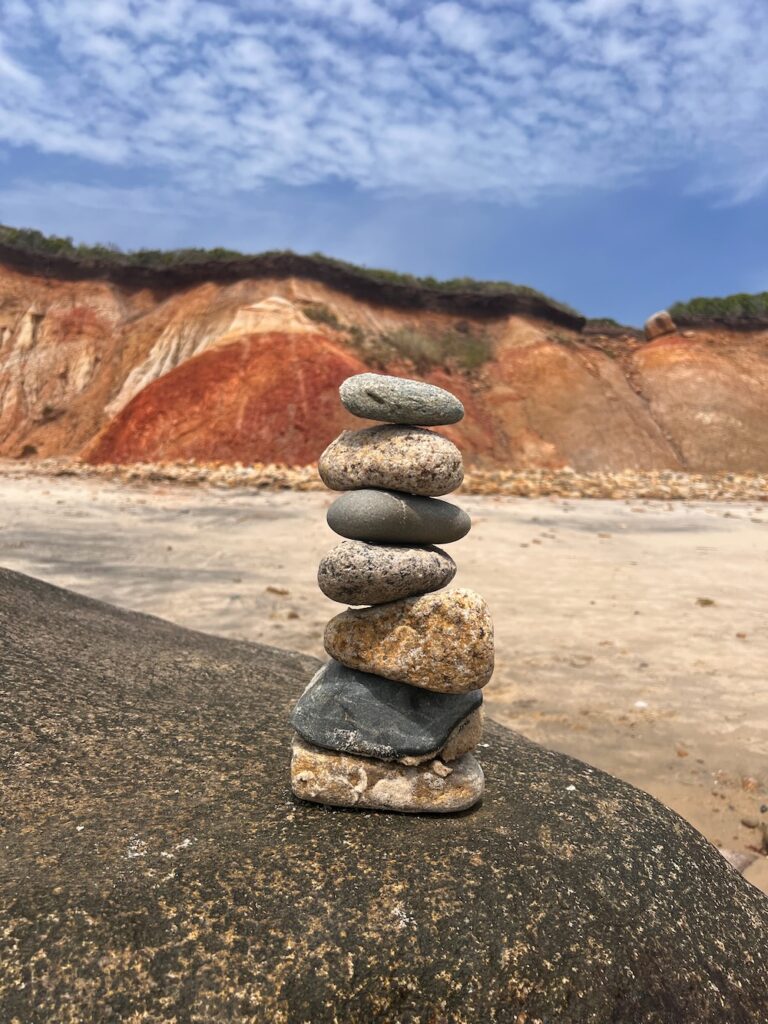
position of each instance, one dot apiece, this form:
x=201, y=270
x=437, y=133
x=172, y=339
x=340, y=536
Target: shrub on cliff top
x=731, y=307
x=31, y=241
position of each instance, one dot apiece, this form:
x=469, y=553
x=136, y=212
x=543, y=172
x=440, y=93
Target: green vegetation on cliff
x=187, y=265
x=29, y=240
x=462, y=345
x=728, y=308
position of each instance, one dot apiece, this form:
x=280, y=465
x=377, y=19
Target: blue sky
x=613, y=153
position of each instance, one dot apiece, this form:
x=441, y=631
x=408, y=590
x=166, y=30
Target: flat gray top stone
x=391, y=517
x=377, y=396
x=359, y=713
x=156, y=867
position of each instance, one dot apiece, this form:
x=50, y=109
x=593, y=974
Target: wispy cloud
x=472, y=99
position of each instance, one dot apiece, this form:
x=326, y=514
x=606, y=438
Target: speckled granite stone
x=357, y=713
x=388, y=517
x=442, y=642
x=376, y=396
x=155, y=866
x=343, y=780
x=358, y=573
x=394, y=458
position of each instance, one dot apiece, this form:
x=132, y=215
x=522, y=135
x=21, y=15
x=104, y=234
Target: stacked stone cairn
x=390, y=722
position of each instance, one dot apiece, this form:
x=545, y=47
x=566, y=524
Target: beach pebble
x=441, y=642
x=389, y=517
x=358, y=573
x=354, y=712
x=343, y=780
x=376, y=396
x=394, y=458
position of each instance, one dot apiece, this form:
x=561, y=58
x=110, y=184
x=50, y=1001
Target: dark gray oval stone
x=376, y=396
x=358, y=713
x=358, y=573
x=390, y=517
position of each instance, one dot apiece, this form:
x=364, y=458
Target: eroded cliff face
x=708, y=391
x=248, y=371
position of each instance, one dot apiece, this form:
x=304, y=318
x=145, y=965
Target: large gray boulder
x=154, y=865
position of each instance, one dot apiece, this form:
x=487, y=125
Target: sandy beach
x=631, y=634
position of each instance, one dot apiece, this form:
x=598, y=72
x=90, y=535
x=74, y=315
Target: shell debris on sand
x=651, y=485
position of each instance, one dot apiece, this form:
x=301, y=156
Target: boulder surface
x=156, y=867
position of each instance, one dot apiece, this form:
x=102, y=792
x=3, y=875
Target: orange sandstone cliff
x=245, y=368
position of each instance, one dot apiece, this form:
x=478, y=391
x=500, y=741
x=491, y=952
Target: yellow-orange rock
x=659, y=324
x=441, y=642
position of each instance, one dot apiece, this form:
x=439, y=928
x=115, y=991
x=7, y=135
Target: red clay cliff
x=249, y=370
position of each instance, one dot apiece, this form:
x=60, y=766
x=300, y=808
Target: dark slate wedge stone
x=376, y=396
x=391, y=517
x=358, y=713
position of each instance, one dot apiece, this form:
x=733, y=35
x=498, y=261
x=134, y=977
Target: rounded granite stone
x=394, y=458
x=390, y=517
x=377, y=396
x=355, y=572
x=441, y=642
x=358, y=713
x=342, y=780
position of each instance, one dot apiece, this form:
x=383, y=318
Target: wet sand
x=633, y=635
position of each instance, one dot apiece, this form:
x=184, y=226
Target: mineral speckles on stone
x=390, y=722
x=358, y=573
x=326, y=777
x=441, y=642
x=357, y=713
x=376, y=396
x=388, y=517
x=393, y=458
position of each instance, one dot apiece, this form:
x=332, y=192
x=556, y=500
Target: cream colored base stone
x=342, y=780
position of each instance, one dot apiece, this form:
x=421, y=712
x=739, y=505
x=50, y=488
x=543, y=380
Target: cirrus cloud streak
x=508, y=101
